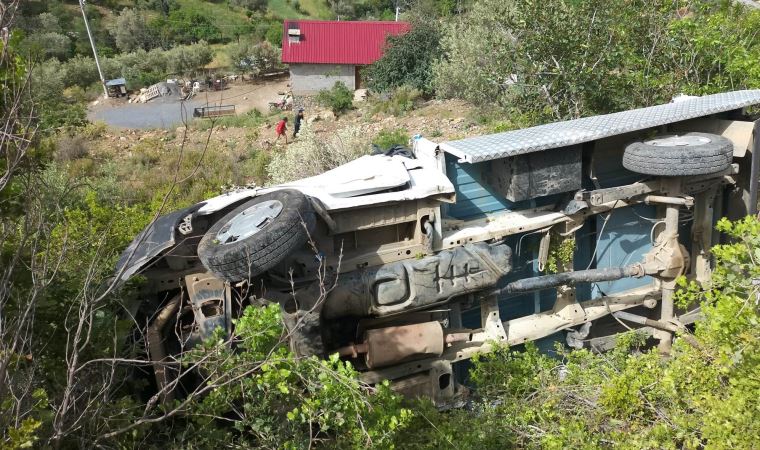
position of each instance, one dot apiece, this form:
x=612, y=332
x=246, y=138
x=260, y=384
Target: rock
x=122, y=138
x=180, y=130
x=360, y=95
x=327, y=115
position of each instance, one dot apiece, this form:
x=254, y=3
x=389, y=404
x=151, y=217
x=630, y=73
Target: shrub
x=313, y=154
x=519, y=55
x=69, y=148
x=386, y=139
x=188, y=58
x=60, y=114
x=251, y=5
x=94, y=130
x=288, y=402
x=250, y=119
x=186, y=26
x=408, y=59
x=260, y=161
x=402, y=100
x=339, y=99
x=47, y=45
x=80, y=70
x=256, y=59
x=273, y=34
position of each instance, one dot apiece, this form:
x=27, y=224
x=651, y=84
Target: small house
x=320, y=53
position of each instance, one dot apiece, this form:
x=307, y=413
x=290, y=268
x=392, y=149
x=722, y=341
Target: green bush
x=323, y=151
x=187, y=25
x=250, y=119
x=386, y=139
x=629, y=55
x=273, y=34
x=256, y=59
x=398, y=102
x=130, y=31
x=408, y=59
x=286, y=402
x=260, y=161
x=339, y=99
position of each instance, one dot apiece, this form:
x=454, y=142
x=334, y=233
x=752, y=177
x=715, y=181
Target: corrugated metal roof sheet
x=562, y=134
x=337, y=42
x=116, y=82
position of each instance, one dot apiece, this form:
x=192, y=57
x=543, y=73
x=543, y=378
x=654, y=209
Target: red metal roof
x=337, y=42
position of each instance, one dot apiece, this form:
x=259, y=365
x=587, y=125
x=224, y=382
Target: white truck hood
x=373, y=180
x=369, y=180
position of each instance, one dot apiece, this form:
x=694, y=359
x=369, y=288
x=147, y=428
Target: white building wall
x=308, y=79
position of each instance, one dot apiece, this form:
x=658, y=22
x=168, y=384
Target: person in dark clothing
x=297, y=124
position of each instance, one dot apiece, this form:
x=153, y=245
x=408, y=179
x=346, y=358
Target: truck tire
x=679, y=155
x=257, y=235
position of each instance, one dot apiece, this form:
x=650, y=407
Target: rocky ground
x=436, y=120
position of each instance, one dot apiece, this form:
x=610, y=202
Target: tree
x=97, y=20
x=343, y=9
x=273, y=34
x=188, y=26
x=49, y=23
x=256, y=59
x=131, y=32
x=521, y=56
x=47, y=45
x=188, y=58
x=408, y=59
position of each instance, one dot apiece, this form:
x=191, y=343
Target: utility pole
x=94, y=50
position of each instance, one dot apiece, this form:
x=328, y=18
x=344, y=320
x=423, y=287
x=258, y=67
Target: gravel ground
x=167, y=112
x=155, y=114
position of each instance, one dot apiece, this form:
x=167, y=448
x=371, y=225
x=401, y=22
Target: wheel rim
x=679, y=141
x=249, y=222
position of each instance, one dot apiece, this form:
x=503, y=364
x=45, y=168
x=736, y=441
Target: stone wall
x=309, y=79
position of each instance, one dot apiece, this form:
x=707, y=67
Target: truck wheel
x=679, y=155
x=257, y=235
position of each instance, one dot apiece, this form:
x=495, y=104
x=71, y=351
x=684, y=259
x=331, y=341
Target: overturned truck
x=410, y=262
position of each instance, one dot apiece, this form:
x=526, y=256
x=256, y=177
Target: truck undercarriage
x=408, y=265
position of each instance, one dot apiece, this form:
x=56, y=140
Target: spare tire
x=679, y=155
x=257, y=235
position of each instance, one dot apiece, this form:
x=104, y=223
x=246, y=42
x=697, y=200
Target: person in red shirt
x=281, y=128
